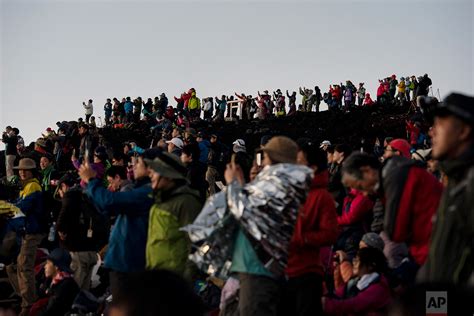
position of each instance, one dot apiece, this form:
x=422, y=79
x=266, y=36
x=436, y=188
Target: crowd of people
x=195, y=226
x=189, y=106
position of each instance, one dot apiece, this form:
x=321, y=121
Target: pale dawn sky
x=56, y=54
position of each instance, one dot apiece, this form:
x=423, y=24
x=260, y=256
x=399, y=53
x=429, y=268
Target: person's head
x=92, y=118
x=83, y=129
x=239, y=146
x=27, y=169
x=325, y=144
x=66, y=182
x=387, y=141
x=190, y=153
x=45, y=161
x=309, y=154
x=175, y=143
x=156, y=292
x=140, y=167
x=341, y=152
x=176, y=132
x=100, y=155
x=115, y=175
x=129, y=99
x=59, y=260
x=16, y=131
x=118, y=159
x=90, y=100
x=279, y=149
x=8, y=129
x=361, y=171
x=397, y=147
x=372, y=240
x=452, y=132
x=213, y=138
x=369, y=260
x=166, y=171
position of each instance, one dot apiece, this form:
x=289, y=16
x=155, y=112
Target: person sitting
x=62, y=290
x=367, y=292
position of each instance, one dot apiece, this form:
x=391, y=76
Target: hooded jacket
x=194, y=103
x=167, y=247
x=316, y=226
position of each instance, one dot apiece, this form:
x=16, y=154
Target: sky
x=57, y=54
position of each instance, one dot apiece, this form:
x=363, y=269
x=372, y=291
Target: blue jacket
x=30, y=203
x=127, y=241
x=204, y=148
x=128, y=106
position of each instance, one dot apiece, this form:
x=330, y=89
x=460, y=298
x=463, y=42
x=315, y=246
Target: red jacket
x=380, y=90
x=316, y=227
x=372, y=300
x=356, y=207
x=414, y=133
x=409, y=211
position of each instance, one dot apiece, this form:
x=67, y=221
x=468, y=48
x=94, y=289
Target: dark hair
x=119, y=155
x=16, y=130
x=158, y=292
x=314, y=155
x=192, y=150
x=357, y=160
x=372, y=258
x=121, y=171
x=245, y=162
x=90, y=100
x=343, y=148
x=151, y=153
x=330, y=149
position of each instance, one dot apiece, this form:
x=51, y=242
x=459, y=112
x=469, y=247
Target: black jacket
x=10, y=144
x=75, y=220
x=62, y=296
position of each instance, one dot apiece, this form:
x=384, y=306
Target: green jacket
x=167, y=247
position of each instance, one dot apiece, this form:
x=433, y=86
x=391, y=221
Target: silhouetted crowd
x=191, y=225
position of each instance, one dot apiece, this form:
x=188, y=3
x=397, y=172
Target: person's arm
x=360, y=207
x=113, y=203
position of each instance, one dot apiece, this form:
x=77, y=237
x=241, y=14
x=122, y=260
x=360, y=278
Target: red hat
x=402, y=146
x=393, y=76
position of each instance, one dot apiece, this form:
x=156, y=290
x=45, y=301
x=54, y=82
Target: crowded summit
x=263, y=204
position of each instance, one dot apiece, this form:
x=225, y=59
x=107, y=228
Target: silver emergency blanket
x=266, y=209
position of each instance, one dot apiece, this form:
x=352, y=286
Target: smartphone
x=259, y=159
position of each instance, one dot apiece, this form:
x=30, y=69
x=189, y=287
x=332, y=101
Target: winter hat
x=459, y=105
x=61, y=259
x=177, y=142
x=281, y=149
x=168, y=165
x=26, y=164
x=373, y=240
x=402, y=146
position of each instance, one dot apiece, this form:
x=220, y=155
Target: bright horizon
x=57, y=54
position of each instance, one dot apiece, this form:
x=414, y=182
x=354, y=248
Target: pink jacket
x=372, y=301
